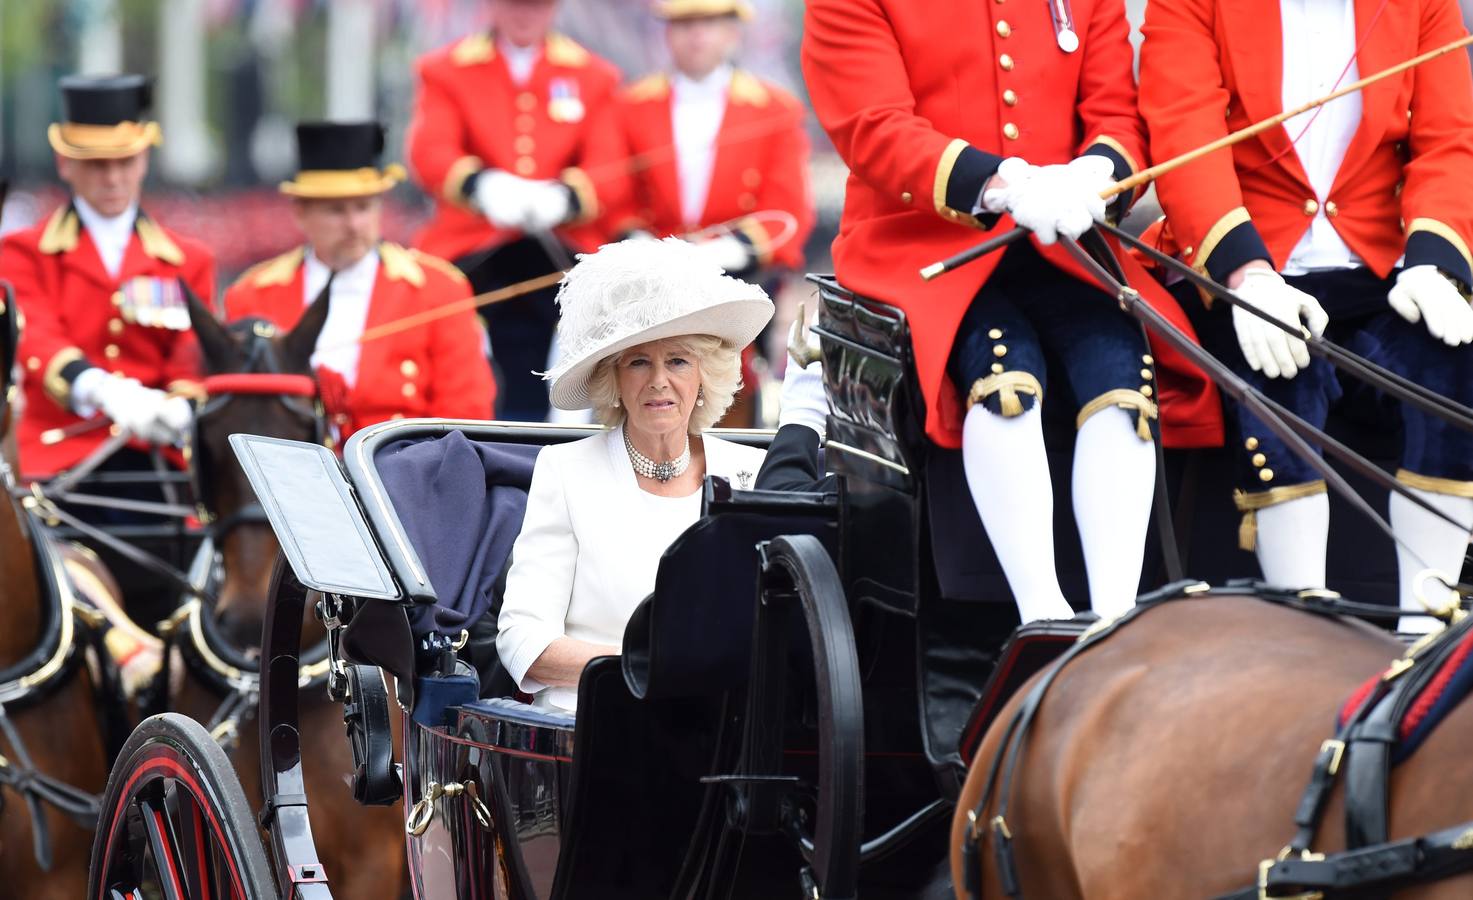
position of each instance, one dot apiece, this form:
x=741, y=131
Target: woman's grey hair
x=721, y=378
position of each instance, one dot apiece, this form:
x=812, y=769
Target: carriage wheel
x=798, y=577
x=175, y=823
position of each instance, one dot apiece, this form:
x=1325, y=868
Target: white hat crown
x=640, y=290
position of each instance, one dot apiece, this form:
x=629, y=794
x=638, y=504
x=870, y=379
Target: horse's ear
x=218, y=348
x=299, y=343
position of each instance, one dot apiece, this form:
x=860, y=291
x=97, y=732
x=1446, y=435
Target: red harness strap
x=282, y=385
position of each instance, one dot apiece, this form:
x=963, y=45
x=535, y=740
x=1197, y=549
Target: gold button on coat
x=115, y=326
x=526, y=165
x=999, y=351
x=526, y=101
x=1259, y=460
x=33, y=364
x=747, y=202
x=751, y=177
x=1331, y=209
x=1010, y=97
x=524, y=144
x=1311, y=207
x=408, y=368
x=997, y=368
x=111, y=351
x=526, y=122
x=1265, y=474
x=1004, y=29
x=1148, y=359
x=1146, y=390
x=1010, y=131
x=118, y=298
x=1147, y=374
x=1006, y=62
x=905, y=197
x=408, y=390
x=994, y=333
x=1251, y=443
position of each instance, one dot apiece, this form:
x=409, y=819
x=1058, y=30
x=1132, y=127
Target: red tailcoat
x=923, y=100
x=437, y=369
x=73, y=320
x=1209, y=67
x=761, y=164
x=470, y=115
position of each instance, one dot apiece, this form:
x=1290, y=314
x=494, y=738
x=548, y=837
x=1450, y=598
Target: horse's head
x=258, y=381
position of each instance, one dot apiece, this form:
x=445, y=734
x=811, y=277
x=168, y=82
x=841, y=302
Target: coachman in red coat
x=435, y=369
x=513, y=136
x=960, y=115
x=106, y=328
x=1356, y=218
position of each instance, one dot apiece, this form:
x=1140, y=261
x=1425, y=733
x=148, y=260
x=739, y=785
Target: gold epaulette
x=62, y=232
x=564, y=51
x=442, y=266
x=748, y=89
x=400, y=264
x=649, y=88
x=472, y=50
x=277, y=270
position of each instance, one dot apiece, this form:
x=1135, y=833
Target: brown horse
x=69, y=712
x=362, y=848
x=1167, y=761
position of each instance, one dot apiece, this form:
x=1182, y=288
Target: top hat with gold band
x=340, y=159
x=696, y=9
x=104, y=117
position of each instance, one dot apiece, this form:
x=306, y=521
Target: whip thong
x=1150, y=174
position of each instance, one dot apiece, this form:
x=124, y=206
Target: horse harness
x=1360, y=750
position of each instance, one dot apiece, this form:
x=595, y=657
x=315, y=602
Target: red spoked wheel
x=175, y=823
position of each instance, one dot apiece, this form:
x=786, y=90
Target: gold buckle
x=1266, y=865
x=1000, y=825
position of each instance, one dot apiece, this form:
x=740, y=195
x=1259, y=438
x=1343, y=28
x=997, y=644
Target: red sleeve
x=460, y=385
x=1184, y=100
x=1435, y=201
x=1107, y=94
x=45, y=347
x=439, y=157
x=860, y=89
x=618, y=189
x=786, y=188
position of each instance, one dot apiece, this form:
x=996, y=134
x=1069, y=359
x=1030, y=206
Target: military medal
x=1064, y=25
x=153, y=303
x=564, y=104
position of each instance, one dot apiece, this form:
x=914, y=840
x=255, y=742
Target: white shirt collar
x=713, y=85
x=347, y=314
x=110, y=234
x=519, y=60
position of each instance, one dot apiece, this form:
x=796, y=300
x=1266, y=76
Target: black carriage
x=790, y=716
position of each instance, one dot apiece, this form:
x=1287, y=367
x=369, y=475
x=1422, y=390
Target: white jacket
x=589, y=548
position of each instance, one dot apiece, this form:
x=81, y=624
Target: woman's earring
x=700, y=396
x=616, y=403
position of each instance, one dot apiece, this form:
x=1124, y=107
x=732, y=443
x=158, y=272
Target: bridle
x=262, y=375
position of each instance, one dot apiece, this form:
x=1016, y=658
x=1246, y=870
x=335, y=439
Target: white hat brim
x=737, y=322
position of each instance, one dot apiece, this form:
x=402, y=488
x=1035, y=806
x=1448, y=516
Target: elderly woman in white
x=650, y=338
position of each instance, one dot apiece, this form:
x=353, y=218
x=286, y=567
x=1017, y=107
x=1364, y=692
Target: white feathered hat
x=642, y=290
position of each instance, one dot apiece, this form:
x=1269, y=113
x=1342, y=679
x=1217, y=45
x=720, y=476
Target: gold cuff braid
x=1250, y=502
x=1432, y=484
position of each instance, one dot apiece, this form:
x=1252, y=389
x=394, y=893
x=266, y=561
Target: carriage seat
x=506, y=709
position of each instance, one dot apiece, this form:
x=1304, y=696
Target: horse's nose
x=241, y=630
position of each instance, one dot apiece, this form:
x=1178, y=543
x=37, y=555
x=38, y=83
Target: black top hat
x=340, y=159
x=104, y=117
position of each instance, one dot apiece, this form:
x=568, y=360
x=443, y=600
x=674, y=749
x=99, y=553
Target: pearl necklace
x=659, y=471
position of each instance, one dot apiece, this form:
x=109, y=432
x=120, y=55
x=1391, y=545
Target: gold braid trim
x=59, y=388
x=1125, y=398
x=1234, y=217
x=62, y=231
x=1448, y=486
x=1250, y=502
x=1444, y=231
x=452, y=189
x=1007, y=386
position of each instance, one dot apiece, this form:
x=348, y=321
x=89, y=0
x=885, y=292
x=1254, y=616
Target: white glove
x=503, y=198
x=1423, y=293
x=803, y=399
x=1052, y=200
x=548, y=206
x=148, y=414
x=1267, y=348
x=726, y=252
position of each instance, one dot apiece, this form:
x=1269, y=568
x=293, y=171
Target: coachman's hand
x=1051, y=200
x=1422, y=293
x=1268, y=348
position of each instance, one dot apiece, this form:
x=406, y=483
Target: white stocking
x=1291, y=541
x=1438, y=544
x=1114, y=483
x=1007, y=471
